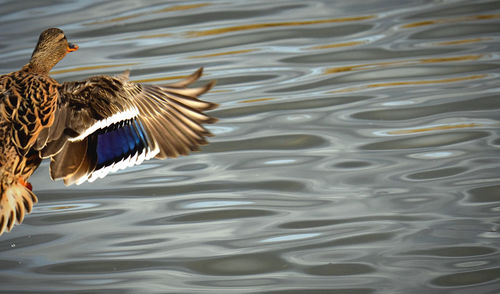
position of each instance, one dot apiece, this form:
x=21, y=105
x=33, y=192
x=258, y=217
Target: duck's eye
x=60, y=37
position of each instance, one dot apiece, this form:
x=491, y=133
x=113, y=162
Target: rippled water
x=357, y=151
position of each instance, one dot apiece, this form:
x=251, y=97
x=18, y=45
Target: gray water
x=357, y=151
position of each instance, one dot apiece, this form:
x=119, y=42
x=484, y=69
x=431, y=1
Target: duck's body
x=87, y=128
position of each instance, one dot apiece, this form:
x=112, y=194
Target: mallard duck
x=87, y=128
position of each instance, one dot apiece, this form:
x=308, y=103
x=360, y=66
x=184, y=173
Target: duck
x=88, y=128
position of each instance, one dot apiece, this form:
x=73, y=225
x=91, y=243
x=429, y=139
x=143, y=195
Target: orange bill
x=72, y=47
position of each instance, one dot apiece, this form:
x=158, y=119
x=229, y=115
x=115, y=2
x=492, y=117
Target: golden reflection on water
x=411, y=83
x=401, y=62
x=451, y=59
x=434, y=128
x=465, y=41
x=214, y=90
x=353, y=67
x=84, y=68
x=337, y=45
x=224, y=53
x=168, y=9
x=256, y=100
x=450, y=20
x=63, y=207
x=427, y=82
x=151, y=36
x=183, y=7
x=274, y=24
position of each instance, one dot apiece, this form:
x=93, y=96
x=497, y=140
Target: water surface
x=357, y=151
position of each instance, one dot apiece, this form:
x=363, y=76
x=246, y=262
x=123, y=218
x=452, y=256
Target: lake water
x=357, y=151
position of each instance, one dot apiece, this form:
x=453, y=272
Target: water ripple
x=356, y=151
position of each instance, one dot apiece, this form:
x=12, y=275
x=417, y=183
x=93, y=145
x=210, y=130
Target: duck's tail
x=15, y=202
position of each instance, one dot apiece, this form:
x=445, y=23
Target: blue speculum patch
x=119, y=141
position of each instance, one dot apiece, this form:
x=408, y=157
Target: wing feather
x=167, y=121
x=189, y=80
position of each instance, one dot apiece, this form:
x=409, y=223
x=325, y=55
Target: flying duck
x=87, y=128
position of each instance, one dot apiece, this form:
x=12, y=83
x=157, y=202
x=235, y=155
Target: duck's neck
x=40, y=64
x=35, y=69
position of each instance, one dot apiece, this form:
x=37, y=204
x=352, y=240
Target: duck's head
x=52, y=46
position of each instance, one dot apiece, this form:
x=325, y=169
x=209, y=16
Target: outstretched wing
x=105, y=123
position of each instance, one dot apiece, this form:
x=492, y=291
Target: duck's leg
x=26, y=184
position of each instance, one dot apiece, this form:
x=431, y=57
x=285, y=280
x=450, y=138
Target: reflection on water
x=357, y=151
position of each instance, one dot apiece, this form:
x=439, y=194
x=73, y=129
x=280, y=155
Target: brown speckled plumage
x=71, y=123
